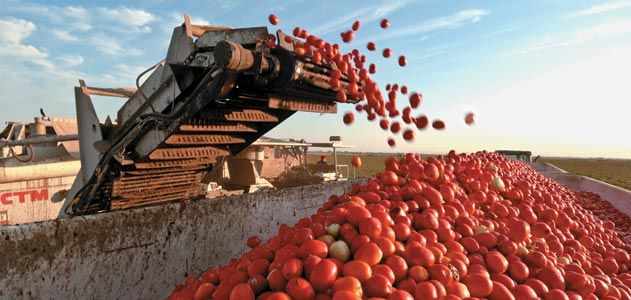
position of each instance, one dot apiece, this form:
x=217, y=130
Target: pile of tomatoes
x=448, y=227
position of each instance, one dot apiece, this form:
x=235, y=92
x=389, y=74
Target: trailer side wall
x=143, y=253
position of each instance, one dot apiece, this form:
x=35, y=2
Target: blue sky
x=548, y=76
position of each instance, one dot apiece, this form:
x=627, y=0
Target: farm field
x=612, y=171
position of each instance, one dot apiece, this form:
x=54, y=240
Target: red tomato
x=402, y=61
x=204, y=291
x=273, y=19
x=535, y=259
x=309, y=264
x=518, y=271
x=314, y=247
x=387, y=52
x=384, y=23
x=458, y=289
x=395, y=127
x=372, y=68
x=276, y=281
x=391, y=142
x=500, y=292
x=323, y=275
x=370, y=227
x=408, y=135
x=386, y=245
x=438, y=125
x=370, y=253
x=496, y=262
x=556, y=294
x=418, y=255
x=357, y=269
x=479, y=285
x=384, y=270
x=400, y=295
x=524, y=292
x=371, y=46
x=356, y=214
x=469, y=118
x=257, y=283
x=552, y=277
x=538, y=286
x=253, y=241
x=344, y=295
x=242, y=291
x=292, y=268
x=441, y=273
x=279, y=296
x=425, y=290
x=519, y=231
x=356, y=161
x=348, y=283
x=399, y=267
x=356, y=25
x=390, y=178
x=300, y=289
x=415, y=100
x=378, y=286
x=349, y=117
x=418, y=273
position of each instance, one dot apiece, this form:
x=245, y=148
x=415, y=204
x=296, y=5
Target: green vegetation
x=612, y=171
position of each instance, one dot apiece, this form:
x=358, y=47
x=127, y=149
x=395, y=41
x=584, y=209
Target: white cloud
x=601, y=8
x=65, y=35
x=71, y=60
x=366, y=14
x=129, y=19
x=12, y=33
x=456, y=20
x=73, y=17
x=604, y=30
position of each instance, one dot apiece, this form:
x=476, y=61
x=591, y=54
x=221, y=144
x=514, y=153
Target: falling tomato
x=356, y=161
x=349, y=117
x=391, y=142
x=402, y=61
x=347, y=36
x=387, y=52
x=385, y=23
x=408, y=135
x=438, y=125
x=356, y=25
x=469, y=118
x=273, y=19
x=416, y=99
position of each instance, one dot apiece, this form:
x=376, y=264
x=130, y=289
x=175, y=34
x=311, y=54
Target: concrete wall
x=142, y=253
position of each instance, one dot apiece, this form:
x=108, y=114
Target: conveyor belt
x=188, y=116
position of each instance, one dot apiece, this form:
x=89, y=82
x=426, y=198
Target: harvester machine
x=216, y=92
